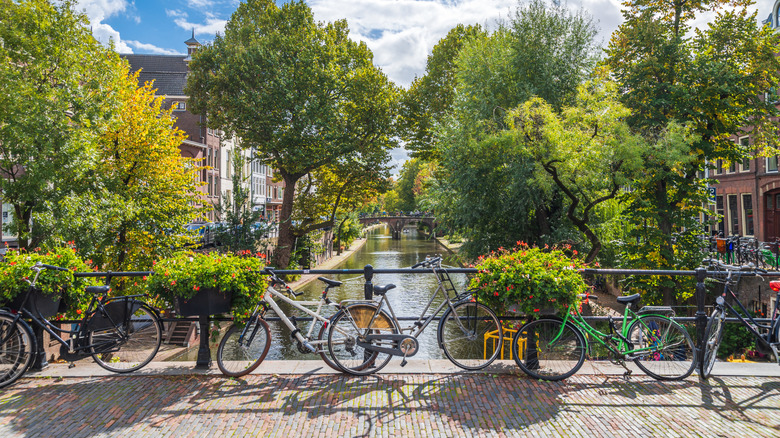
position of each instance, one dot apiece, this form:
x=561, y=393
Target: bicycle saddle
x=329, y=282
x=381, y=290
x=97, y=290
x=631, y=299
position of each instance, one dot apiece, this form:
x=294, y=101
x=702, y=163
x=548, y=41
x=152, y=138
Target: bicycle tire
x=675, y=359
x=346, y=326
x=558, y=353
x=464, y=343
x=713, y=335
x=130, y=347
x=17, y=349
x=238, y=357
x=323, y=348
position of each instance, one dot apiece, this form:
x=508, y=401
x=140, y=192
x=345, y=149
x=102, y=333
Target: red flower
x=536, y=310
x=495, y=293
x=195, y=288
x=173, y=282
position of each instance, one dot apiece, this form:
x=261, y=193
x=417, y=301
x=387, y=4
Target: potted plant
x=56, y=291
x=209, y=284
x=529, y=280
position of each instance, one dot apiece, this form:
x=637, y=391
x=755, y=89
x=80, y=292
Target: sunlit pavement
x=290, y=399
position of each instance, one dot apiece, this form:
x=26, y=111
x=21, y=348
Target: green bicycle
x=554, y=349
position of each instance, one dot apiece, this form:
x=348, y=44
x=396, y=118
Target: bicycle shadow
x=719, y=398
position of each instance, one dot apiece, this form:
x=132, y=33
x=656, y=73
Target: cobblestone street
x=427, y=405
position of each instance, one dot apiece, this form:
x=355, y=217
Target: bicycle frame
x=72, y=344
x=752, y=326
x=268, y=300
x=622, y=348
x=422, y=321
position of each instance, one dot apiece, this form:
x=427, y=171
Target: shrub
x=529, y=279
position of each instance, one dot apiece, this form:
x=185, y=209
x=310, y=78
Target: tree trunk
x=666, y=251
x=286, y=237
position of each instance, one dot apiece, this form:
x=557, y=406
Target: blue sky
x=401, y=33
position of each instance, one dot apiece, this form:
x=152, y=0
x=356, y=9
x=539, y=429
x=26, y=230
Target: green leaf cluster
x=529, y=280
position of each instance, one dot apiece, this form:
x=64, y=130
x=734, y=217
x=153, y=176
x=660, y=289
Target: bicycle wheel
x=132, y=343
x=670, y=353
x=322, y=348
x=713, y=334
x=243, y=348
x=462, y=335
x=346, y=329
x=17, y=344
x=547, y=349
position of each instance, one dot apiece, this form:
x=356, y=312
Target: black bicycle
x=122, y=334
x=713, y=334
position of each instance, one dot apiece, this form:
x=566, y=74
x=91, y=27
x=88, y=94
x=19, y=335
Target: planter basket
x=40, y=304
x=205, y=302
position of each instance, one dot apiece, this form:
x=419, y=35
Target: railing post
x=368, y=291
x=204, y=352
x=701, y=315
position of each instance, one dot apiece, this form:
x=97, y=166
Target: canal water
x=408, y=299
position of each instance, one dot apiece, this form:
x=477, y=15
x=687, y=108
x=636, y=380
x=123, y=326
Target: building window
x=771, y=164
x=733, y=215
x=747, y=213
x=732, y=167
x=718, y=167
x=721, y=215
x=744, y=166
x=229, y=164
x=179, y=106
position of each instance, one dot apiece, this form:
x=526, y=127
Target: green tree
x=485, y=186
x=425, y=105
x=241, y=228
x=319, y=94
x=709, y=81
x=128, y=212
x=586, y=151
x=56, y=88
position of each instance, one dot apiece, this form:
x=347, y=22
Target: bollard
x=701, y=315
x=39, y=360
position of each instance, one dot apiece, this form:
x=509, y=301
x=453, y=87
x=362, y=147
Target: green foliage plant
x=15, y=269
x=529, y=280
x=185, y=273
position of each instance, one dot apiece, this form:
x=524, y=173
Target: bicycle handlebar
x=56, y=268
x=720, y=264
x=428, y=262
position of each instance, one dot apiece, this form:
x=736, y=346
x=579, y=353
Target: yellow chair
x=492, y=337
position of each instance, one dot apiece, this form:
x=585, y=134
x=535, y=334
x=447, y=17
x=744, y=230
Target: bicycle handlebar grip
x=418, y=264
x=56, y=268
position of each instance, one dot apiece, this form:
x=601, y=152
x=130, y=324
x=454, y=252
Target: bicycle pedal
x=71, y=365
x=309, y=347
x=404, y=362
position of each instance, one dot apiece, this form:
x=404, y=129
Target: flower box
x=39, y=304
x=208, y=301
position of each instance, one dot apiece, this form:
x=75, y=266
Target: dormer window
x=179, y=106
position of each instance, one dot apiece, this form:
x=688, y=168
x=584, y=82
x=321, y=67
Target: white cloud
x=151, y=48
x=200, y=4
x=105, y=33
x=210, y=26
x=99, y=10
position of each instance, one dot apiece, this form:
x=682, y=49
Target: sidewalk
x=289, y=400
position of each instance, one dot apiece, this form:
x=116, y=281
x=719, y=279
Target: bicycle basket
x=118, y=311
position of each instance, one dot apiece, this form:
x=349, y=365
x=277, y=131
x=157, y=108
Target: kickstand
x=627, y=373
x=71, y=365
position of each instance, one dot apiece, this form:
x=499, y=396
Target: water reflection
x=409, y=298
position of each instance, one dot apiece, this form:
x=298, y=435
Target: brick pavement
x=424, y=405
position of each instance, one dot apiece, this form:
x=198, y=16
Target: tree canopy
x=299, y=92
x=689, y=91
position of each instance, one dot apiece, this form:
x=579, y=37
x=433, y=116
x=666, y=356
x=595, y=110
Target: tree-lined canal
x=409, y=298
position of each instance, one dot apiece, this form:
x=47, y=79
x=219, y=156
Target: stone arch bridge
x=398, y=222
